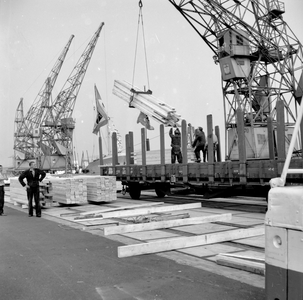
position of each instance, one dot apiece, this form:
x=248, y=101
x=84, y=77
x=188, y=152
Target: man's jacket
x=32, y=181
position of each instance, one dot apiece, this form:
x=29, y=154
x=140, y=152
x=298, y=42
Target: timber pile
x=100, y=188
x=69, y=190
x=148, y=219
x=17, y=192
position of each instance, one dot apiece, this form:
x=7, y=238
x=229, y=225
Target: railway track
x=240, y=203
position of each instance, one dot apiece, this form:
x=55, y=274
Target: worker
x=199, y=143
x=175, y=146
x=33, y=176
x=215, y=145
x=2, y=193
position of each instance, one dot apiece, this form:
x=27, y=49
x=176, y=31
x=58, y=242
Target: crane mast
x=28, y=130
x=19, y=121
x=57, y=125
x=260, y=60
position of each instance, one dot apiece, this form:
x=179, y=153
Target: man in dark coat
x=175, y=146
x=199, y=143
x=33, y=176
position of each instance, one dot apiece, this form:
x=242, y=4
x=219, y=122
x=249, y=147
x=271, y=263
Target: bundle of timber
x=146, y=103
x=100, y=188
x=69, y=190
x=17, y=192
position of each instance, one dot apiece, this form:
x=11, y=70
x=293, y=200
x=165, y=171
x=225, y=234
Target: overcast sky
x=181, y=69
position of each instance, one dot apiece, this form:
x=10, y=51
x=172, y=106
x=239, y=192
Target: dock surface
x=70, y=258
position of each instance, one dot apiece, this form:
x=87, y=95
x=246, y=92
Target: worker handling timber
x=199, y=143
x=175, y=146
x=2, y=184
x=33, y=176
x=215, y=145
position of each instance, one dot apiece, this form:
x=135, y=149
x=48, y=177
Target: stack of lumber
x=100, y=188
x=18, y=193
x=146, y=103
x=69, y=190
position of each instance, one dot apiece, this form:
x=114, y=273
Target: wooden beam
x=187, y=242
x=145, y=211
x=131, y=148
x=119, y=208
x=143, y=145
x=162, y=145
x=251, y=258
x=241, y=264
x=114, y=149
x=165, y=224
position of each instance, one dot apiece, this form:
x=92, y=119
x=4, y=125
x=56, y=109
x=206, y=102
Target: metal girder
x=269, y=64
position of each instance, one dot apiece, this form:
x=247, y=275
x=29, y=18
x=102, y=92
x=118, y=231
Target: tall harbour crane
x=27, y=131
x=261, y=64
x=57, y=125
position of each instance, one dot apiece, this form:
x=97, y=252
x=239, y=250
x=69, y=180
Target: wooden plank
x=120, y=208
x=144, y=211
x=187, y=242
x=165, y=224
x=241, y=264
x=251, y=258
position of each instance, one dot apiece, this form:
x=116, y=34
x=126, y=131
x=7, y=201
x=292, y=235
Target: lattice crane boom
x=57, y=124
x=260, y=59
x=28, y=130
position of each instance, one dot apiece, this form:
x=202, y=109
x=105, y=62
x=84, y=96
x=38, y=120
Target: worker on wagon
x=199, y=143
x=175, y=145
x=215, y=145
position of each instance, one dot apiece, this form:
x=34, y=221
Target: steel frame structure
x=275, y=56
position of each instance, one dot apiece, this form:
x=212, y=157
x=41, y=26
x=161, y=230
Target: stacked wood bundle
x=18, y=193
x=100, y=188
x=146, y=103
x=69, y=190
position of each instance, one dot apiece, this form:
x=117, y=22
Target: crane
x=57, y=124
x=19, y=120
x=261, y=64
x=27, y=131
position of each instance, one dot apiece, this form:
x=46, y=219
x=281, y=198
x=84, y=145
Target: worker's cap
x=200, y=128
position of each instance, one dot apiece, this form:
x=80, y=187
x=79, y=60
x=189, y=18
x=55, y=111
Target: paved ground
x=53, y=258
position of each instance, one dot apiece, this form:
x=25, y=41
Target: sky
x=181, y=70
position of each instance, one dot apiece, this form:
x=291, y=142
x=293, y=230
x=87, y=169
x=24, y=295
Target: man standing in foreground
x=33, y=176
x=2, y=184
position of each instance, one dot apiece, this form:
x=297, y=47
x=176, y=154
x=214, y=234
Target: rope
x=145, y=53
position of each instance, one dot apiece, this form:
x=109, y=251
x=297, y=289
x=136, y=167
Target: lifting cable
x=140, y=18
